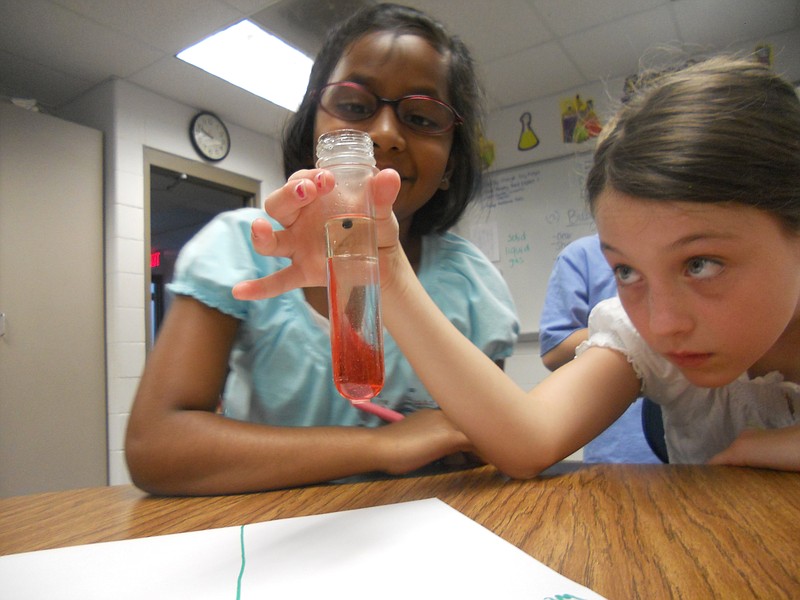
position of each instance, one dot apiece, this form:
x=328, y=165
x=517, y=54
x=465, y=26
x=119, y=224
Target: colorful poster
x=527, y=137
x=579, y=121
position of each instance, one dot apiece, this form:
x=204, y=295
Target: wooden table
x=626, y=531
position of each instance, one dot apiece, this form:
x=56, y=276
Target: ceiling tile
x=187, y=84
x=31, y=80
x=54, y=50
x=489, y=33
x=719, y=23
x=565, y=17
x=66, y=49
x=304, y=23
x=536, y=72
x=171, y=28
x=250, y=7
x=615, y=49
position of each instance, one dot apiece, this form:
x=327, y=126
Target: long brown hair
x=722, y=130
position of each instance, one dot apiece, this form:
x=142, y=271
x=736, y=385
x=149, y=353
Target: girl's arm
x=519, y=433
x=522, y=434
x=766, y=448
x=177, y=444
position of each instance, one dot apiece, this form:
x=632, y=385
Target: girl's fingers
x=292, y=206
x=269, y=242
x=282, y=281
x=385, y=189
x=285, y=204
x=386, y=186
x=262, y=237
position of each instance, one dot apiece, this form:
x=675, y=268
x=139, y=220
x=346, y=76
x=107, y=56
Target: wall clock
x=209, y=136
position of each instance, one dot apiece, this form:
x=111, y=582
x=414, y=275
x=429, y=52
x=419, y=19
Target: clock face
x=210, y=136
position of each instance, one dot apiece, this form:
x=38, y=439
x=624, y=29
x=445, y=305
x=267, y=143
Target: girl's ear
x=448, y=171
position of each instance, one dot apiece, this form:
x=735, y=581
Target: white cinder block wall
x=132, y=119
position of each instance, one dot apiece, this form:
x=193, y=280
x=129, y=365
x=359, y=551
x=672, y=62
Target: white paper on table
x=419, y=549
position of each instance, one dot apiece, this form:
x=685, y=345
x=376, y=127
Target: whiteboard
x=524, y=216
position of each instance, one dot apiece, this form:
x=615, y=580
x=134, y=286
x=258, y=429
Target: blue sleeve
x=566, y=304
x=219, y=256
x=581, y=278
x=472, y=293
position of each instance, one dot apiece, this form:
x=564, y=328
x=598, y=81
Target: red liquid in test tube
x=353, y=284
x=356, y=335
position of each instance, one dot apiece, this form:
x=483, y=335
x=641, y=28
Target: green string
x=241, y=570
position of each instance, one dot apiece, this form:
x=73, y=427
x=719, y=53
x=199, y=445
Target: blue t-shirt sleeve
x=566, y=304
x=473, y=294
x=219, y=256
x=580, y=279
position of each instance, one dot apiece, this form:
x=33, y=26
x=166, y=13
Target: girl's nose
x=668, y=313
x=386, y=130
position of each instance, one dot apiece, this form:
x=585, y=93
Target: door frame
x=194, y=169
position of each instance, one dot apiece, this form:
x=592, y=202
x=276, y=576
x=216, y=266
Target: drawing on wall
x=638, y=81
x=486, y=148
x=579, y=121
x=527, y=137
x=763, y=54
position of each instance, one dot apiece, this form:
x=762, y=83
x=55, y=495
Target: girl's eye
x=626, y=275
x=353, y=110
x=702, y=268
x=420, y=121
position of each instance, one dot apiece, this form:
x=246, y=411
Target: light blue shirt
x=280, y=364
x=580, y=279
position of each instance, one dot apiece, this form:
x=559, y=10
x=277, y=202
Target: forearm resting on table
x=765, y=448
x=177, y=444
x=180, y=451
x=200, y=453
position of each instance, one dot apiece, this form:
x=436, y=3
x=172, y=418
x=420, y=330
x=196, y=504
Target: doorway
x=183, y=197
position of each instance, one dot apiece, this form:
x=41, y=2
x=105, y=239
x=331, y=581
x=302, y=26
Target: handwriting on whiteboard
x=567, y=226
x=571, y=227
x=510, y=188
x=516, y=248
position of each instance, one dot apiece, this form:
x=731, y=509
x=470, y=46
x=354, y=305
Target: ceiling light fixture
x=250, y=58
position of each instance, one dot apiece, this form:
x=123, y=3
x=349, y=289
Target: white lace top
x=698, y=422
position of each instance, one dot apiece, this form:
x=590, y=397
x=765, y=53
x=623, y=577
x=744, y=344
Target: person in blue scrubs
x=581, y=278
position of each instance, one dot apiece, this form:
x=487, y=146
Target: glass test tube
x=352, y=254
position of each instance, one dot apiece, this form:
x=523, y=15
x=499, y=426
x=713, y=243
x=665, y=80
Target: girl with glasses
x=397, y=74
x=695, y=193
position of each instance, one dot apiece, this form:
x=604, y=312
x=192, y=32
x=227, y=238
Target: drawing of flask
x=352, y=254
